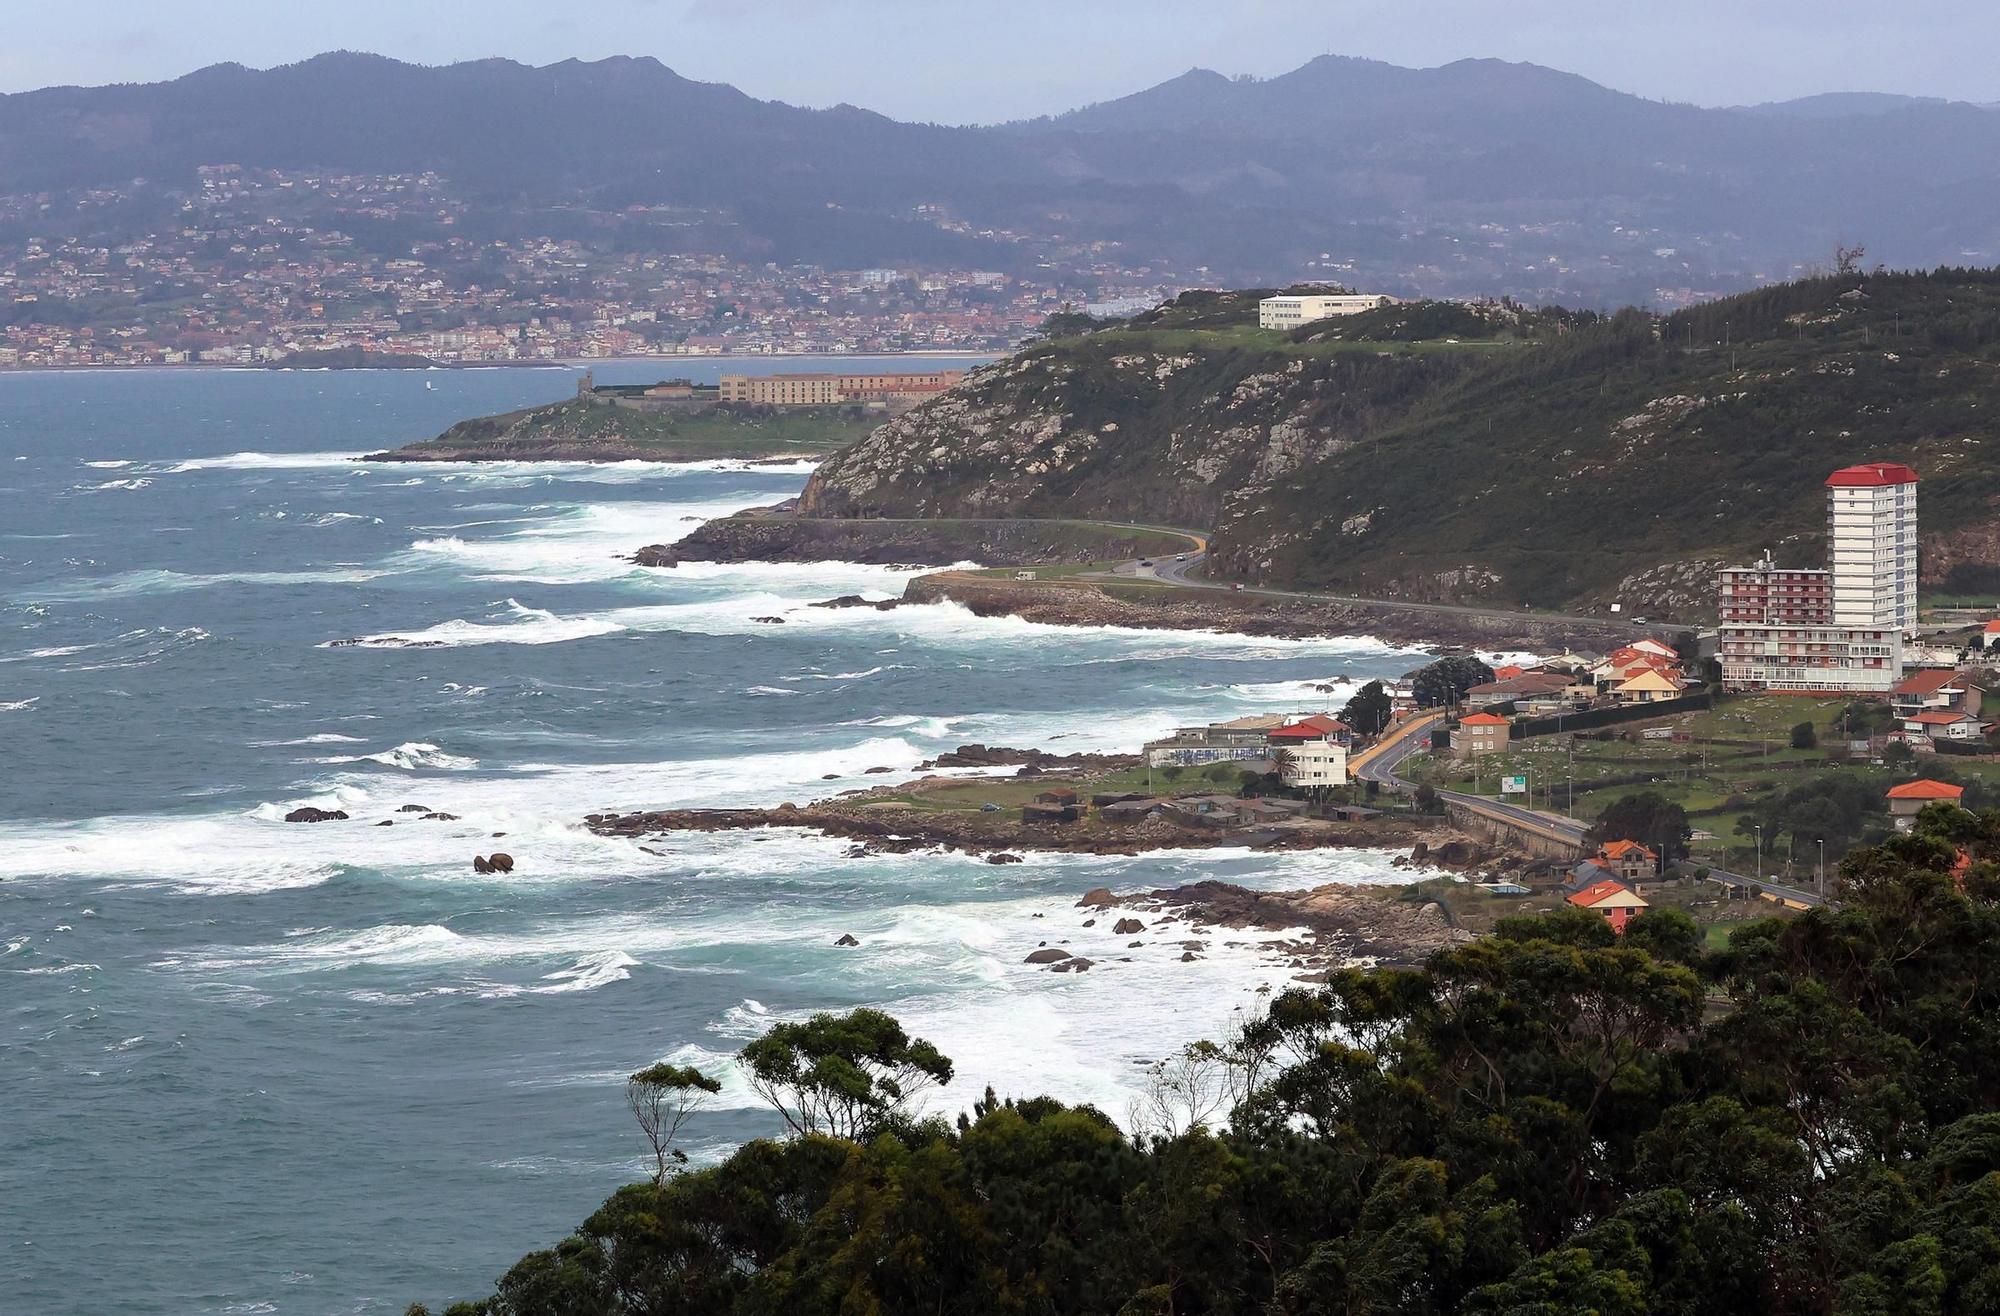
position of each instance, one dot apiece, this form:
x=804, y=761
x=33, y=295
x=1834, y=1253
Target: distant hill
x=1480, y=175
x=1543, y=458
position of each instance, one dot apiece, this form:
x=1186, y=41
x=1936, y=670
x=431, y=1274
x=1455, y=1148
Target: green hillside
x=575, y=430
x=1487, y=451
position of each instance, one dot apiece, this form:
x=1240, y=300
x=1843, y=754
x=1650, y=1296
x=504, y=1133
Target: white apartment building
x=1291, y=312
x=1872, y=545
x=1316, y=763
x=1838, y=631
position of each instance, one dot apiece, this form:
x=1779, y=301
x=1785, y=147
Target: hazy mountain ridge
x=1476, y=176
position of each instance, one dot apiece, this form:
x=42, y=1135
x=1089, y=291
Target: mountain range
x=1476, y=177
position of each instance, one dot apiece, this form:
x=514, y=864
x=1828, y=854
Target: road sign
x=1513, y=785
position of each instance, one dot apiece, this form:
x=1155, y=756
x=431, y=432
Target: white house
x=1291, y=312
x=1316, y=763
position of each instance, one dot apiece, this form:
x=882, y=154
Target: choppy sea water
x=252, y=1066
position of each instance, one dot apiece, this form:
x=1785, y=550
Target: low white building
x=1291, y=312
x=1316, y=763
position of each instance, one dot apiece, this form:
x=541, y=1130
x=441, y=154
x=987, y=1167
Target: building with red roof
x=1912, y=797
x=1617, y=902
x=1632, y=862
x=1480, y=733
x=1839, y=631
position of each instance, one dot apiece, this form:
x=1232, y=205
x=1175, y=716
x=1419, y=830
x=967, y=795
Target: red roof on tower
x=1871, y=475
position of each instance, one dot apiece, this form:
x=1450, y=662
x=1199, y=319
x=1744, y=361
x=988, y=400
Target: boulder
x=1002, y=857
x=1188, y=957
x=1090, y=923
x=309, y=814
x=415, y=808
x=439, y=816
x=769, y=621
x=502, y=863
x=656, y=555
x=479, y=864
x=847, y=939
x=1049, y=956
x=386, y=822
x=1098, y=897
x=1074, y=964
x=877, y=771
x=1125, y=927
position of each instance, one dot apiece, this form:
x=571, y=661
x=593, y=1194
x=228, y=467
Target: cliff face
x=1128, y=427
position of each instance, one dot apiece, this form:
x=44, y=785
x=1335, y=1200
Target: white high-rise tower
x=1872, y=546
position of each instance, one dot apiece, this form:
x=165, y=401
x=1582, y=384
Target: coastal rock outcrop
x=308, y=814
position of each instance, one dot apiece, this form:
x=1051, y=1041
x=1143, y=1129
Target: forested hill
x=1450, y=451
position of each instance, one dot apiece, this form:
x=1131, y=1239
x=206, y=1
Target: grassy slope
x=666, y=436
x=1614, y=448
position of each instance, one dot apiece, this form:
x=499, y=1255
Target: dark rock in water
x=656, y=555
x=415, y=808
x=386, y=822
x=479, y=864
x=1074, y=964
x=1125, y=927
x=1134, y=945
x=1049, y=956
x=1003, y=857
x=856, y=601
x=310, y=814
x=1188, y=957
x=1090, y=923
x=847, y=939
x=435, y=816
x=769, y=621
x=1098, y=897
x=502, y=863
x=830, y=776
x=876, y=772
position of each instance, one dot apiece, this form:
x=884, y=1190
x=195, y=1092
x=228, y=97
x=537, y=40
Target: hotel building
x=1838, y=630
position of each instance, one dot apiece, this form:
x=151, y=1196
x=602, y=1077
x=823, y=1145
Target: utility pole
x=1760, y=851
x=1822, y=867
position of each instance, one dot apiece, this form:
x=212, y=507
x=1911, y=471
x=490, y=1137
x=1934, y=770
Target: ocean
x=252, y=1066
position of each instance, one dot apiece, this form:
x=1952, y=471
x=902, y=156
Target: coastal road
x=1380, y=763
x=1180, y=570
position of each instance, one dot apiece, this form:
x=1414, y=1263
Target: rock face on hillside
x=1112, y=429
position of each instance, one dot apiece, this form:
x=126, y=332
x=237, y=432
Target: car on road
x=1145, y=562
x=1182, y=557
x=1237, y=585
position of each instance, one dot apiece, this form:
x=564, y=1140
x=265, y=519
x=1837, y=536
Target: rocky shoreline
x=1163, y=607
x=771, y=535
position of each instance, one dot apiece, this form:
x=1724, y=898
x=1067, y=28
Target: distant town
x=261, y=265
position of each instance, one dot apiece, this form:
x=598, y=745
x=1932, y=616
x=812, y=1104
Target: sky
x=976, y=61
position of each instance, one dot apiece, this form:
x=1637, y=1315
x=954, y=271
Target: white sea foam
x=19, y=705
x=410, y=756
x=136, y=482
x=271, y=461
x=141, y=584
x=513, y=623
x=108, y=466
x=591, y=972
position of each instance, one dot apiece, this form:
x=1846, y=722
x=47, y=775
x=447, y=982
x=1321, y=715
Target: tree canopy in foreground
x=1548, y=1120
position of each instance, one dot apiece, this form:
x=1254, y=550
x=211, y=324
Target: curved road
x=1179, y=570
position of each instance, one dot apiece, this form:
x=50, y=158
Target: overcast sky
x=961, y=61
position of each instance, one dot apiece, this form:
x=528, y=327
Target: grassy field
x=1717, y=783
x=716, y=433
x=1250, y=338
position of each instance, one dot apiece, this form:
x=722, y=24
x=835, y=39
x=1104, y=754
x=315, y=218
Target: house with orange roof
x=1632, y=862
x=1909, y=799
x=1480, y=733
x=1991, y=635
x=1935, y=724
x=1617, y=902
